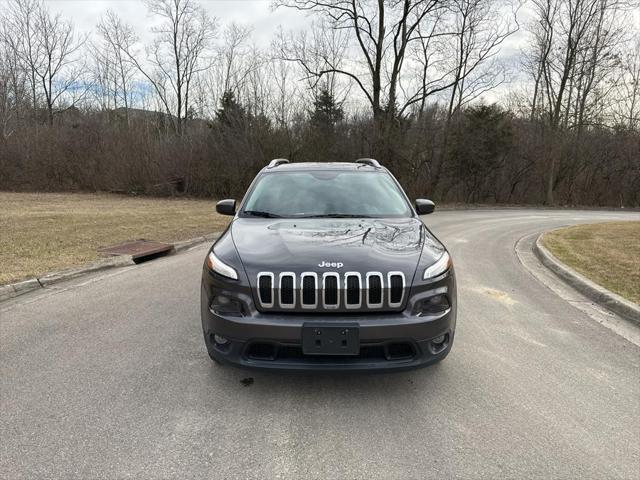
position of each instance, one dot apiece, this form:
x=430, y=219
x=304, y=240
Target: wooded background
x=197, y=107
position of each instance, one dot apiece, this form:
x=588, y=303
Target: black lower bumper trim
x=382, y=356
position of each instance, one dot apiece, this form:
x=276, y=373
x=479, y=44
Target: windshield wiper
x=336, y=215
x=257, y=213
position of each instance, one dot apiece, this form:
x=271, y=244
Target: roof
x=301, y=166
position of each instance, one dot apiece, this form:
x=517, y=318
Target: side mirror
x=226, y=207
x=424, y=206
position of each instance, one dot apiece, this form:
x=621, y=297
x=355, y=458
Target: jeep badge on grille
x=324, y=264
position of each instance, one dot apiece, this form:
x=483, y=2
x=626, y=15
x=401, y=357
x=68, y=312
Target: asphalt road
x=108, y=377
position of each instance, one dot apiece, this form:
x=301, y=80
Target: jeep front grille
x=287, y=290
x=396, y=288
x=309, y=286
x=265, y=289
x=374, y=288
x=331, y=290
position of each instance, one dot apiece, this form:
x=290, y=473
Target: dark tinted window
x=331, y=193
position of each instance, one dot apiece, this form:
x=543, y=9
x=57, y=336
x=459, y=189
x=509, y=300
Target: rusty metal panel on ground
x=138, y=249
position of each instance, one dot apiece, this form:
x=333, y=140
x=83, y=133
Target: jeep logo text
x=331, y=264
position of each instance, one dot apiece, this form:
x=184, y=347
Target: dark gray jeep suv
x=327, y=266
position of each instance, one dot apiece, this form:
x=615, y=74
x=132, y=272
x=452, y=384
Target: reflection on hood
x=360, y=244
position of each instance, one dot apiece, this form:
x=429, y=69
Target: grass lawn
x=607, y=253
x=44, y=232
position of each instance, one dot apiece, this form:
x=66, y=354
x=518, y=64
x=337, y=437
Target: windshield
x=326, y=193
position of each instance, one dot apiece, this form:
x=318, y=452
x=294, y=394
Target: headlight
x=439, y=267
x=218, y=266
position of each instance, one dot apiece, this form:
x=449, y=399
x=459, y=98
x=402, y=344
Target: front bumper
x=388, y=341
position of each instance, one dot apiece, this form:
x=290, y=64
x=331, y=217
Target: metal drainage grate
x=139, y=250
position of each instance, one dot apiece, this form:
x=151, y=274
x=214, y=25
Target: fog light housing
x=219, y=343
x=435, y=304
x=439, y=344
x=227, y=306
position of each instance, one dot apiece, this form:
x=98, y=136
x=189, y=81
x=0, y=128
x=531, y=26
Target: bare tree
x=284, y=91
x=7, y=108
x=316, y=49
x=236, y=65
x=627, y=111
x=176, y=56
x=60, y=47
x=103, y=76
x=573, y=25
x=234, y=49
x=19, y=34
x=480, y=28
x=571, y=58
x=383, y=32
x=113, y=68
x=14, y=90
x=256, y=88
x=430, y=65
x=47, y=48
x=596, y=64
x=537, y=57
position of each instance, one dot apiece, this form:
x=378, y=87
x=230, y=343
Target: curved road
x=108, y=377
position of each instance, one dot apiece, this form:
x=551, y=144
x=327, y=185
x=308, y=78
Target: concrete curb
x=192, y=242
x=600, y=295
x=14, y=289
x=475, y=207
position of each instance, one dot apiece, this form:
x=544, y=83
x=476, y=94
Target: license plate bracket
x=321, y=338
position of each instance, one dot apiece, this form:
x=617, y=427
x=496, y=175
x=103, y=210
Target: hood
x=302, y=245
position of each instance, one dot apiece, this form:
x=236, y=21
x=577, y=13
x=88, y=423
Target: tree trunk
x=551, y=180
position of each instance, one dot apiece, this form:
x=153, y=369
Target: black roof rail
x=277, y=161
x=369, y=161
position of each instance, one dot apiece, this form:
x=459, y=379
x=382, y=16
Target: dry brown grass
x=607, y=253
x=43, y=232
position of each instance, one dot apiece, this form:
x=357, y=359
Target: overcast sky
x=265, y=22
x=257, y=13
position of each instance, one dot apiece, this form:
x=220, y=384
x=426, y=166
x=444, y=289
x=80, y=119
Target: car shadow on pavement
x=310, y=387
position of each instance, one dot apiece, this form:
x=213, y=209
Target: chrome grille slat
x=377, y=290
x=305, y=292
x=263, y=302
x=331, y=290
x=285, y=276
x=392, y=278
x=327, y=304
x=349, y=291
